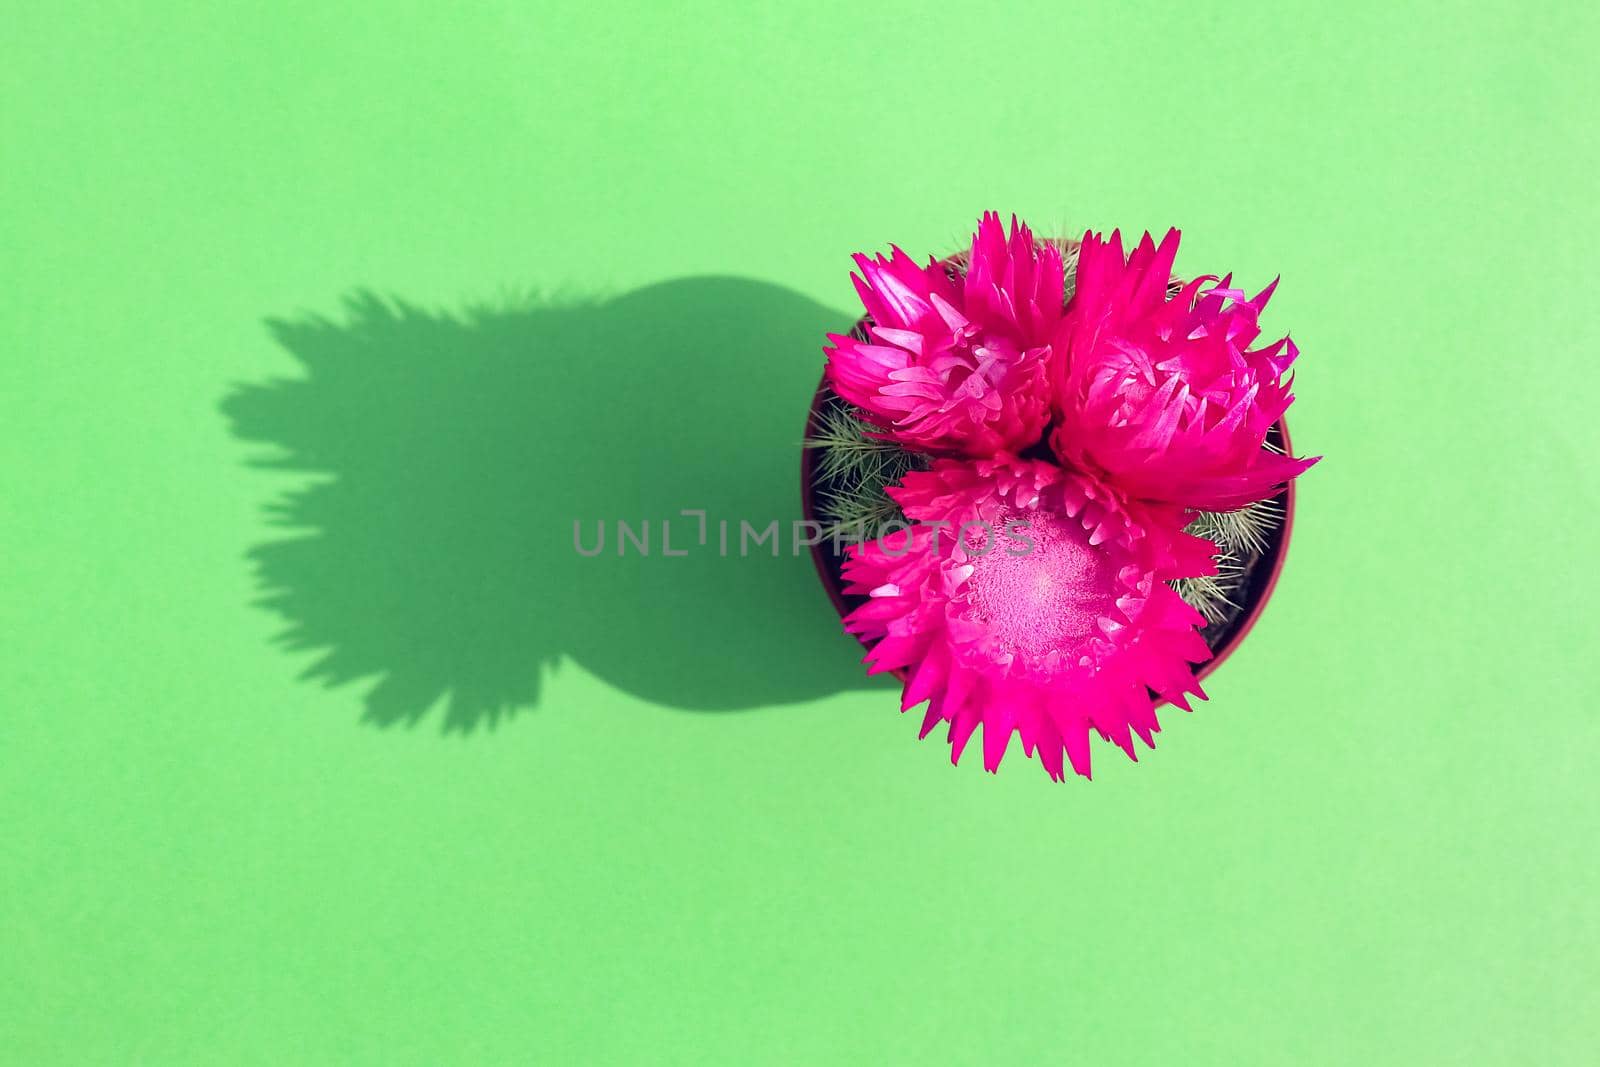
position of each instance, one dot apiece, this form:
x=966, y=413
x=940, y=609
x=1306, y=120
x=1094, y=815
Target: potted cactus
x=1054, y=484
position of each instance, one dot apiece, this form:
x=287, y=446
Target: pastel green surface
x=487, y=802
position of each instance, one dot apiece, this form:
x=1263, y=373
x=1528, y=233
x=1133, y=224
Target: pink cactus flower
x=1160, y=394
x=1031, y=599
x=956, y=365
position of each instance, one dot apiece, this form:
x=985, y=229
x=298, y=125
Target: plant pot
x=1261, y=572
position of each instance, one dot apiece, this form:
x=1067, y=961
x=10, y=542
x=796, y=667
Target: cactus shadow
x=427, y=548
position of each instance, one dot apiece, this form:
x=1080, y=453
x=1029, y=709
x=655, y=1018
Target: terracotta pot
x=1263, y=573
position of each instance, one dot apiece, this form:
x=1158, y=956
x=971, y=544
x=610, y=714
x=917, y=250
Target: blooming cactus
x=1031, y=593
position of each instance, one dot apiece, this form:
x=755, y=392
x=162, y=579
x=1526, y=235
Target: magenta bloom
x=956, y=365
x=1162, y=396
x=1030, y=598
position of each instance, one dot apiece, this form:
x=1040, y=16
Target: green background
x=319, y=323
